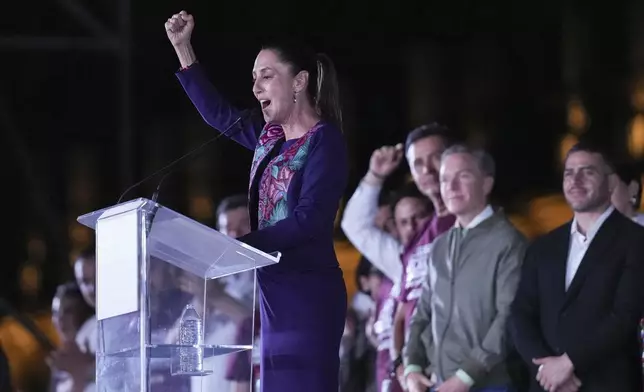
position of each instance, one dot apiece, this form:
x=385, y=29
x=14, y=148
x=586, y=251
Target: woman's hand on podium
x=179, y=28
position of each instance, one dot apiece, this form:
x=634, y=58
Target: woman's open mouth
x=265, y=104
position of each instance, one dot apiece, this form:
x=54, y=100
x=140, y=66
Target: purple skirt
x=302, y=321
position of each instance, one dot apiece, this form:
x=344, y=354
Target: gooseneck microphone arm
x=172, y=166
x=187, y=155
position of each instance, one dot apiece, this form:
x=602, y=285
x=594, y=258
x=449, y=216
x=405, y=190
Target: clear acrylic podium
x=175, y=301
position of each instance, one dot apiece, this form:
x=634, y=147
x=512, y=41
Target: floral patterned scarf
x=274, y=183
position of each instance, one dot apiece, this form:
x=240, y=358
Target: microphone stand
x=191, y=154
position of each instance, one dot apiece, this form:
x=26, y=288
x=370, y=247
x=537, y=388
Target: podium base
x=169, y=350
x=192, y=374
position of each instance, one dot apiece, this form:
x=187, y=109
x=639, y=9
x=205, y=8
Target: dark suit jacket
x=596, y=320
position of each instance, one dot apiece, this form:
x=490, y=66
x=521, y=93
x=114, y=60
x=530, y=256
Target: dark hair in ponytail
x=327, y=92
x=322, y=90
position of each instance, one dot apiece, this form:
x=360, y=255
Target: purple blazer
x=303, y=297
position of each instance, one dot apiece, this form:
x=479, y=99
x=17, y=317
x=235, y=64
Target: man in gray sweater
x=457, y=337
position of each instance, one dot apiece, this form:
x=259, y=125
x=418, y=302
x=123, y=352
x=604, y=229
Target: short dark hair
x=627, y=172
x=365, y=269
x=592, y=148
x=410, y=190
x=232, y=203
x=384, y=198
x=69, y=289
x=427, y=130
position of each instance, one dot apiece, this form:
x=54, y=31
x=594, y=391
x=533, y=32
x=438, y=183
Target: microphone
x=245, y=114
x=190, y=154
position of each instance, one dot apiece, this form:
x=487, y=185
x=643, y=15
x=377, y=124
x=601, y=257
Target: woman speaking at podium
x=297, y=178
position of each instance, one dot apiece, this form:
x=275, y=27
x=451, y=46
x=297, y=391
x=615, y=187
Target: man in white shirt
x=575, y=318
x=78, y=357
x=85, y=273
x=403, y=262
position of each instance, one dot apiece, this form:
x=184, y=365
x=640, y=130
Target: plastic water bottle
x=190, y=334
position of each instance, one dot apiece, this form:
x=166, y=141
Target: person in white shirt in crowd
x=422, y=150
x=69, y=312
x=358, y=356
x=362, y=301
x=77, y=356
x=361, y=372
x=404, y=264
x=411, y=211
x=627, y=194
x=458, y=335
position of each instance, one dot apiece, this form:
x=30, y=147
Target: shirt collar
x=487, y=212
x=574, y=229
x=639, y=218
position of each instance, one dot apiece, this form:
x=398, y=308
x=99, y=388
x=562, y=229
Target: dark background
x=82, y=118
